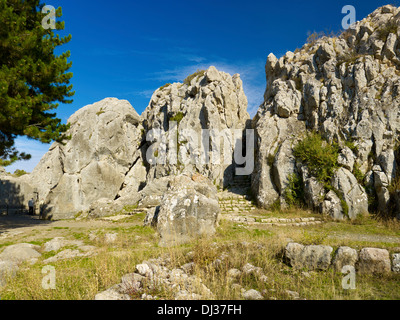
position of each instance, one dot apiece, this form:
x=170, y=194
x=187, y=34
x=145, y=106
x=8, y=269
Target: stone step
x=295, y=222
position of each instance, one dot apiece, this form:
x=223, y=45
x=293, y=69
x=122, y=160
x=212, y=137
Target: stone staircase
x=235, y=200
x=237, y=206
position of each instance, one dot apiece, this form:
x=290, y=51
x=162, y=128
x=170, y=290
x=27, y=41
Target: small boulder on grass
x=21, y=252
x=309, y=257
x=373, y=260
x=252, y=295
x=345, y=256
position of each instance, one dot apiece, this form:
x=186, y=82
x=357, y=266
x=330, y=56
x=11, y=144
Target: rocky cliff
x=346, y=90
x=107, y=164
x=210, y=100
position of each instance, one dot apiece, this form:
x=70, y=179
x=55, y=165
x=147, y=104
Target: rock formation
x=109, y=162
x=188, y=210
x=210, y=100
x=336, y=96
x=346, y=89
x=95, y=163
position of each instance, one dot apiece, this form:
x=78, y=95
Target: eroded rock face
x=188, y=210
x=373, y=260
x=95, y=163
x=212, y=100
x=310, y=257
x=105, y=167
x=346, y=89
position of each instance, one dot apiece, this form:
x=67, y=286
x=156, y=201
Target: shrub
x=320, y=157
x=194, y=75
x=177, y=118
x=358, y=174
x=294, y=193
x=165, y=86
x=20, y=173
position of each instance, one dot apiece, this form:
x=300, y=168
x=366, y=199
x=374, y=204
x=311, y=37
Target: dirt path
x=17, y=227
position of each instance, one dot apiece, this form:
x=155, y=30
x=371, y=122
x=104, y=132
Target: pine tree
x=32, y=77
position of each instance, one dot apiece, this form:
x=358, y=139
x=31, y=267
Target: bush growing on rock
x=320, y=157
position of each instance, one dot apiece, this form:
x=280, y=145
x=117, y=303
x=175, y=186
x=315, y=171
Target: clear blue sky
x=128, y=48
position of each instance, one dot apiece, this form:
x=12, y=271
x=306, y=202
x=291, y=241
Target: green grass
x=83, y=278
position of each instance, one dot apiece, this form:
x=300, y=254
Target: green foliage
x=350, y=58
x=177, y=118
x=350, y=144
x=319, y=156
x=198, y=73
x=345, y=206
x=32, y=77
x=294, y=193
x=312, y=238
x=165, y=86
x=358, y=174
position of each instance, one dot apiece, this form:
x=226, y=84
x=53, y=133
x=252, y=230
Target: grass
x=233, y=244
x=198, y=73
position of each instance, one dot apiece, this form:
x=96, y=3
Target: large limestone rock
x=96, y=163
x=212, y=100
x=15, y=194
x=347, y=89
x=19, y=253
x=351, y=192
x=373, y=260
x=310, y=257
x=344, y=256
x=188, y=210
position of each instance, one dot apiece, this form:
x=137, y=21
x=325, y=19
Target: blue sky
x=128, y=49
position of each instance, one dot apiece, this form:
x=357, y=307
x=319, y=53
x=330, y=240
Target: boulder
x=396, y=262
x=95, y=163
x=176, y=117
x=60, y=242
x=332, y=206
x=252, y=295
x=373, y=260
x=8, y=269
x=309, y=257
x=344, y=256
x=20, y=253
x=188, y=210
x=351, y=192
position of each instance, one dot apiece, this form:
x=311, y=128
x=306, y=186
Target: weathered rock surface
x=373, y=260
x=346, y=89
x=344, y=256
x=19, y=253
x=188, y=210
x=95, y=163
x=60, y=242
x=309, y=257
x=153, y=274
x=212, y=100
x=8, y=269
x=352, y=193
x=396, y=263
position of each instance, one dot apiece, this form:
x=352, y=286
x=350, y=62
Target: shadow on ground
x=20, y=221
